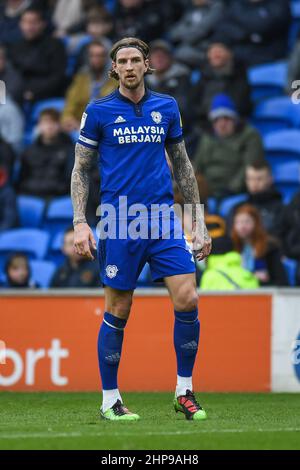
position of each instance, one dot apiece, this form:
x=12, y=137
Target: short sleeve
x=174, y=135
x=89, y=129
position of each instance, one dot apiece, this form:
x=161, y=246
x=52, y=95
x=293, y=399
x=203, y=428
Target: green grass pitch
x=70, y=421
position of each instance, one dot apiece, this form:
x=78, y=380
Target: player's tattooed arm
x=83, y=236
x=80, y=181
x=185, y=178
x=184, y=173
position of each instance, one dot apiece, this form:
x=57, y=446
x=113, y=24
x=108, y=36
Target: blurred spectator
x=40, y=58
x=89, y=83
x=7, y=157
x=224, y=270
x=258, y=28
x=260, y=252
x=12, y=124
x=221, y=72
x=223, y=154
x=69, y=17
x=46, y=165
x=10, y=13
x=99, y=27
x=171, y=78
x=66, y=15
x=76, y=271
x=192, y=32
x=18, y=273
x=264, y=196
x=11, y=77
x=290, y=230
x=139, y=18
x=8, y=204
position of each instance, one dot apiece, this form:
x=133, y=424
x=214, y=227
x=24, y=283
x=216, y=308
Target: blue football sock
x=110, y=342
x=186, y=339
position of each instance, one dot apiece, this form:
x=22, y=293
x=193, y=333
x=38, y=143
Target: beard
x=131, y=84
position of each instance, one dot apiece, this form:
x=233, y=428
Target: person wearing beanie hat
x=224, y=152
x=223, y=106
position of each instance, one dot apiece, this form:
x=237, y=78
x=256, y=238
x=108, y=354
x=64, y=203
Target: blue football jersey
x=131, y=140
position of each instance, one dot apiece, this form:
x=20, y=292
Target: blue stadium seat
x=59, y=215
x=55, y=254
x=267, y=80
x=276, y=114
x=110, y=5
x=295, y=26
x=55, y=103
x=229, y=202
x=290, y=266
x=212, y=206
x=42, y=272
x=74, y=53
x=32, y=242
x=287, y=178
x=195, y=77
x=31, y=210
x=282, y=146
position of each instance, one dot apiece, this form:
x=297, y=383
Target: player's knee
x=120, y=307
x=186, y=299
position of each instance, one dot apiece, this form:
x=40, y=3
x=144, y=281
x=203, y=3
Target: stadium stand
x=33, y=242
x=276, y=114
x=290, y=267
x=267, y=80
x=229, y=203
x=282, y=146
x=42, y=272
x=59, y=215
x=287, y=178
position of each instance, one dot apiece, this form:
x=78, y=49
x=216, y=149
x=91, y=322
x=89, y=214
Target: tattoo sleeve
x=80, y=181
x=184, y=175
x=185, y=178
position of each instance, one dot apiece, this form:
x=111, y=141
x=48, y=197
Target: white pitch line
x=150, y=433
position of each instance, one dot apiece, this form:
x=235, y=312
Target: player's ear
x=114, y=66
x=147, y=65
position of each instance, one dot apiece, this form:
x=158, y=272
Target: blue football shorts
x=121, y=260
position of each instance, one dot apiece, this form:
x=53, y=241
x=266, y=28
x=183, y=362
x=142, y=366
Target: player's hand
x=202, y=242
x=84, y=241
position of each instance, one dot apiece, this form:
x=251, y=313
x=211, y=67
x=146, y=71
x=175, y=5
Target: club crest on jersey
x=156, y=116
x=111, y=271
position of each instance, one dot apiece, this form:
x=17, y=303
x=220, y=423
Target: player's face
x=131, y=67
x=244, y=225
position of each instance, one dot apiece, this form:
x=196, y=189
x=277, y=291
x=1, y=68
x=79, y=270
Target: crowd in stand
x=201, y=51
